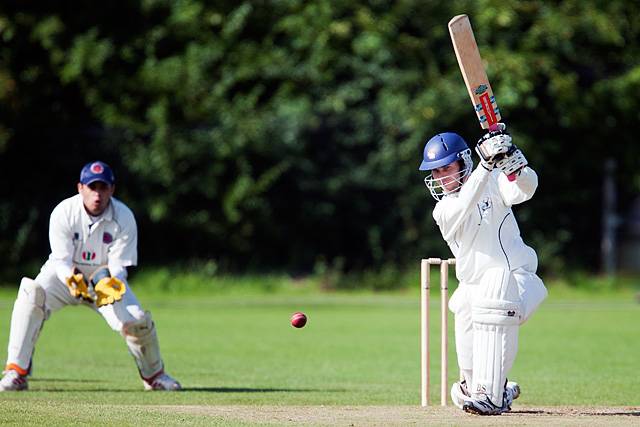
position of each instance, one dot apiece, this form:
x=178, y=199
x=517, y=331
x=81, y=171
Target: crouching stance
x=498, y=286
x=93, y=239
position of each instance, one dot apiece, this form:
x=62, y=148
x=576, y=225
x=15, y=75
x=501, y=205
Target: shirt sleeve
x=521, y=189
x=124, y=250
x=61, y=242
x=451, y=212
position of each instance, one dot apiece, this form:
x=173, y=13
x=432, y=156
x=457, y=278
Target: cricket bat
x=473, y=72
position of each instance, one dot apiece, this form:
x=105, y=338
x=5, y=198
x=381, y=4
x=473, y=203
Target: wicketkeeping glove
x=108, y=289
x=493, y=146
x=78, y=287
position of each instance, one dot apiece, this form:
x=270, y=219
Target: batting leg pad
x=495, y=345
x=142, y=340
x=460, y=305
x=496, y=312
x=28, y=315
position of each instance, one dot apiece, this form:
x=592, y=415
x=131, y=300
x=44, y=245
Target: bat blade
x=473, y=71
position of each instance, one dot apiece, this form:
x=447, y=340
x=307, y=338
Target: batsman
x=498, y=286
x=93, y=238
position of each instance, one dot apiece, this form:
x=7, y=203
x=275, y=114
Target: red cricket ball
x=298, y=320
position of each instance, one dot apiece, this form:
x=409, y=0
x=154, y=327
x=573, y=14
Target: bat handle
x=512, y=177
x=494, y=127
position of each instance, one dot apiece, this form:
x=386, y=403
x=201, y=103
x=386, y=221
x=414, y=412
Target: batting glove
x=493, y=146
x=512, y=162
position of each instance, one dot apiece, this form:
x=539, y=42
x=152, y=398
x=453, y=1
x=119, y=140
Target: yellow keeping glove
x=109, y=290
x=78, y=287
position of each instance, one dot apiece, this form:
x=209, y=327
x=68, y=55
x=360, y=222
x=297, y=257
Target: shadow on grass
x=574, y=412
x=65, y=380
x=258, y=390
x=44, y=388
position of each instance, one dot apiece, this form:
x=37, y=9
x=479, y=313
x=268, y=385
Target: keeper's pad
x=142, y=341
x=495, y=315
x=108, y=289
x=26, y=322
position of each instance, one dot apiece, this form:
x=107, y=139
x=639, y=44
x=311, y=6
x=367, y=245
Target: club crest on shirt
x=484, y=207
x=88, y=256
x=107, y=238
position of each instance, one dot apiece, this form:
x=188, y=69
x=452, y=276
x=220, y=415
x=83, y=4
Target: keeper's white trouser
x=57, y=296
x=531, y=292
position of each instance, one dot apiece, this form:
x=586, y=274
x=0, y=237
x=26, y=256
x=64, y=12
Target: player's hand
x=493, y=146
x=78, y=287
x=512, y=162
x=109, y=290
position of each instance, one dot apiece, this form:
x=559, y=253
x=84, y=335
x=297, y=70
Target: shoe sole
x=470, y=409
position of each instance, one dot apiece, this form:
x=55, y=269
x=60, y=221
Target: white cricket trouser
x=531, y=292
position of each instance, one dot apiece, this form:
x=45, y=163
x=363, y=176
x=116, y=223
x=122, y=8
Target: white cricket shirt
x=111, y=240
x=479, y=226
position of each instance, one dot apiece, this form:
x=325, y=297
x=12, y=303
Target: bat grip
x=511, y=177
x=494, y=127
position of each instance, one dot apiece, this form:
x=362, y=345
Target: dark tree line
x=284, y=134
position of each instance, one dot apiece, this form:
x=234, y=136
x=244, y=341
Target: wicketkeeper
x=93, y=239
x=498, y=286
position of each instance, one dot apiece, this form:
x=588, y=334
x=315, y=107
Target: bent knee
x=31, y=292
x=139, y=327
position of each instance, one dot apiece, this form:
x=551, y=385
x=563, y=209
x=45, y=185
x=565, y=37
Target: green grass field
x=230, y=348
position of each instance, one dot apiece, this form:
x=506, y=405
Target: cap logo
x=431, y=155
x=96, y=168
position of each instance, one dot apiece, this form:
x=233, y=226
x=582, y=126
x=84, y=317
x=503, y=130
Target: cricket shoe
x=459, y=393
x=511, y=393
x=13, y=381
x=481, y=406
x=163, y=382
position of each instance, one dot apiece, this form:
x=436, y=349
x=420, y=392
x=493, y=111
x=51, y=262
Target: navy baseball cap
x=97, y=171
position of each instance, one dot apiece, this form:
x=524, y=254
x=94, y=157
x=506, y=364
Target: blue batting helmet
x=442, y=149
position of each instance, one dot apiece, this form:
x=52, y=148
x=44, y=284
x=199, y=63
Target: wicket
x=425, y=282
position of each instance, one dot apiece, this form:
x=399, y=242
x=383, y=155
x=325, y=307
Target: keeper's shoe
x=482, y=406
x=13, y=381
x=459, y=393
x=162, y=382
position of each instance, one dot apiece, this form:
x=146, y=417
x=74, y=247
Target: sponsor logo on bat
x=481, y=89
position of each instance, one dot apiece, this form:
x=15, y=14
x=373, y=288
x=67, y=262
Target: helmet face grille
x=436, y=185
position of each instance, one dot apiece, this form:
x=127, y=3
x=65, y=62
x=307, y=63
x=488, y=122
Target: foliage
x=287, y=134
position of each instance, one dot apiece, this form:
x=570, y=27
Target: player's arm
x=519, y=190
x=123, y=252
x=517, y=183
x=61, y=242
x=451, y=212
x=62, y=249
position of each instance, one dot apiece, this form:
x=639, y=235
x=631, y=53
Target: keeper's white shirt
x=479, y=226
x=79, y=240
